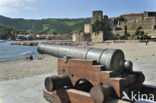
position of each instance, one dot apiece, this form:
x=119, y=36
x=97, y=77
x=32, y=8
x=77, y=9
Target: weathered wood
x=84, y=75
x=51, y=97
x=56, y=82
x=80, y=69
x=100, y=94
x=96, y=74
x=73, y=96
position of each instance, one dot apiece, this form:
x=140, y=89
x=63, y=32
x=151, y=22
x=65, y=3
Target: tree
x=98, y=26
x=104, y=27
x=120, y=18
x=139, y=33
x=117, y=36
x=7, y=33
x=126, y=34
x=125, y=30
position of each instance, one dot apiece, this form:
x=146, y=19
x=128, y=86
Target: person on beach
x=146, y=41
x=26, y=58
x=31, y=57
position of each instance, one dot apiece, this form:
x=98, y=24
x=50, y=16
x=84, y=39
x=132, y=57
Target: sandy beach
x=21, y=68
x=134, y=51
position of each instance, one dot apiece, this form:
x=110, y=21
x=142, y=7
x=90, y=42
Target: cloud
x=6, y=10
x=11, y=3
x=12, y=6
x=30, y=0
x=30, y=8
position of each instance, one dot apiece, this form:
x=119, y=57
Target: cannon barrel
x=112, y=59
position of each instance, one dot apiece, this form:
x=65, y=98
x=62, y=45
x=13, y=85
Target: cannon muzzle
x=112, y=59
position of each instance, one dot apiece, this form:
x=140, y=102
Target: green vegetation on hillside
x=46, y=26
x=7, y=33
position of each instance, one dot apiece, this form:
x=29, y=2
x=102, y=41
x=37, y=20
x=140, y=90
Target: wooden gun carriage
x=86, y=75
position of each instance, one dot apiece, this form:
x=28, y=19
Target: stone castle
x=146, y=20
x=89, y=34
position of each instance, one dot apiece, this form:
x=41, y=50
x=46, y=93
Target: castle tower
x=97, y=15
x=87, y=28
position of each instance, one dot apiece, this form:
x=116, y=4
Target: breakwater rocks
x=30, y=43
x=25, y=43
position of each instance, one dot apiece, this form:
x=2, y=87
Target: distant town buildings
x=43, y=36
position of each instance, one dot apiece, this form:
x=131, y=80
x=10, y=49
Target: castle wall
x=146, y=23
x=105, y=19
x=74, y=38
x=133, y=18
x=87, y=37
x=153, y=27
x=97, y=37
x=81, y=37
x=146, y=20
x=87, y=28
x=149, y=14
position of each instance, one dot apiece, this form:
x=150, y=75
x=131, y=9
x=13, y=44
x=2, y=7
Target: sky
x=41, y=9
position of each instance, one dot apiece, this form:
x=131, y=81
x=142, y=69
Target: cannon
x=94, y=75
x=112, y=59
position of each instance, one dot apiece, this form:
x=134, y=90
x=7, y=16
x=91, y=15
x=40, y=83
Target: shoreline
x=21, y=58
x=11, y=60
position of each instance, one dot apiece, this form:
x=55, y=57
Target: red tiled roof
x=133, y=14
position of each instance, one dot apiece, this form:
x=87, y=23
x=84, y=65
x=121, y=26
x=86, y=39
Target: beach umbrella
x=28, y=53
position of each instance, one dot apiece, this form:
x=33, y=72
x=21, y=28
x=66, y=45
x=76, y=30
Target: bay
x=12, y=52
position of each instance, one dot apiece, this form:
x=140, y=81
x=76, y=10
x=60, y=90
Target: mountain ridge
x=45, y=26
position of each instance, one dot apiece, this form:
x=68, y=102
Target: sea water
x=12, y=52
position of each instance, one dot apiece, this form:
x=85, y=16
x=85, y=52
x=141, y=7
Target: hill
x=47, y=26
x=8, y=33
